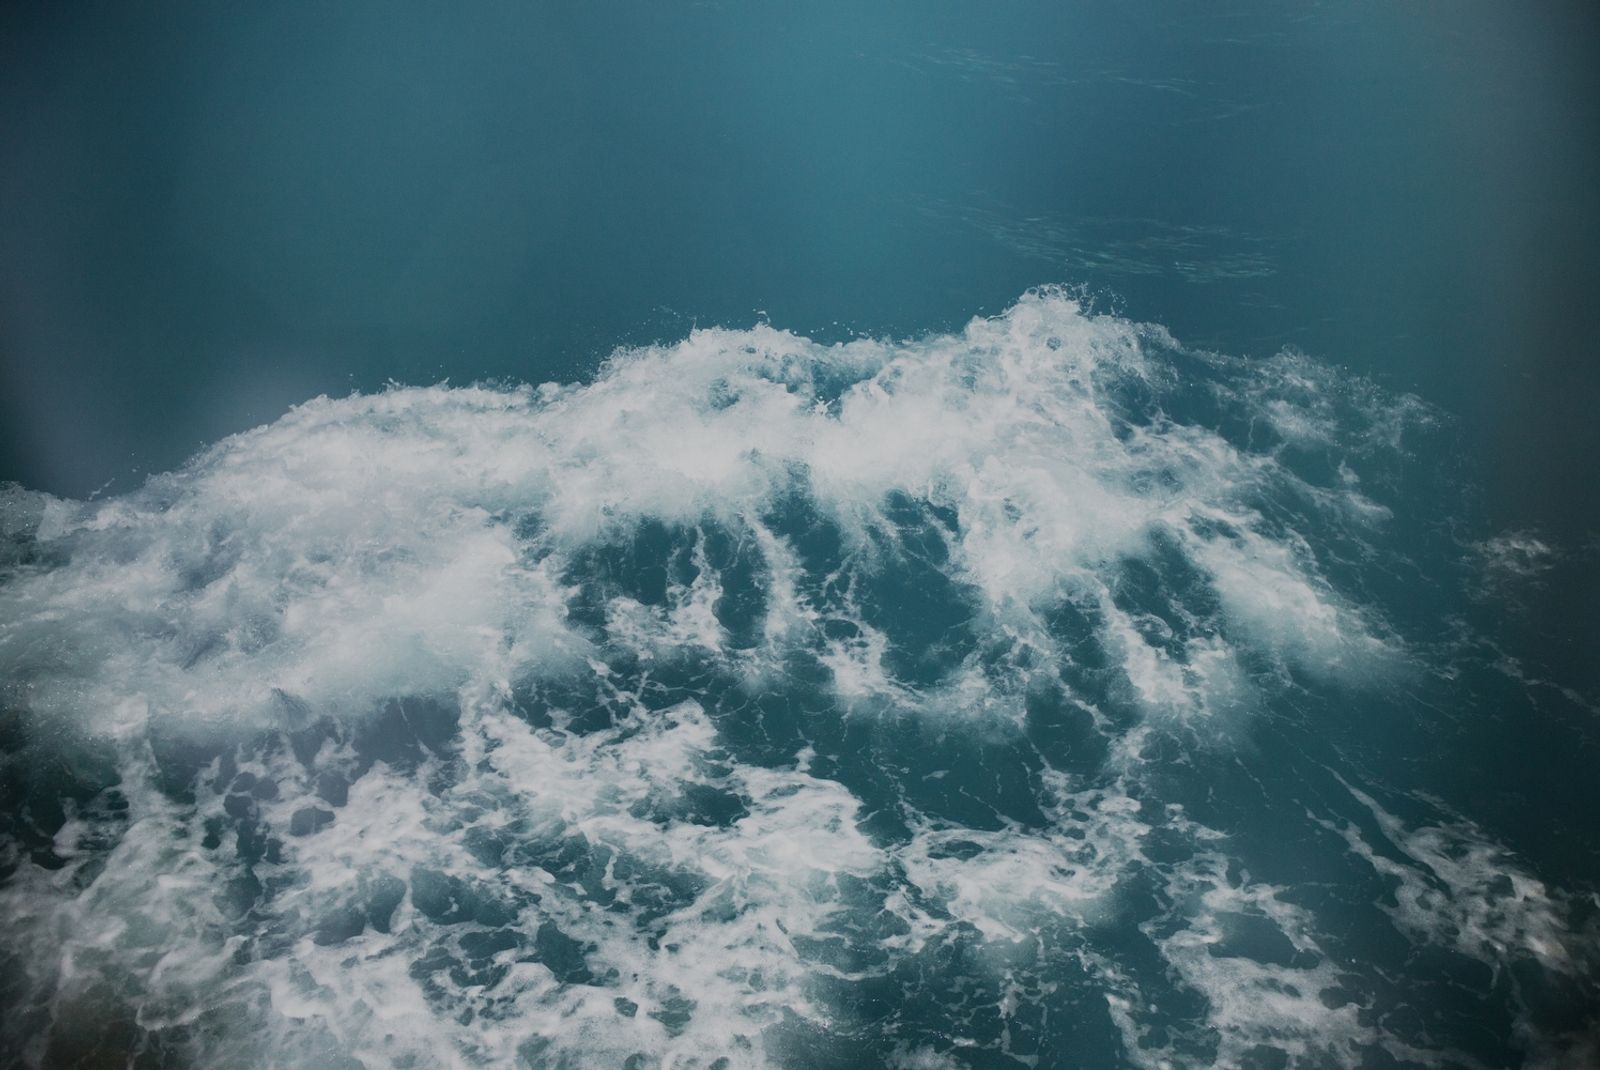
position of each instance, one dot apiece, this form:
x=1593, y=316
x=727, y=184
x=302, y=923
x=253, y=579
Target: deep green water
x=873, y=654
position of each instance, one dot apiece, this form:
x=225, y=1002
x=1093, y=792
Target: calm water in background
x=208, y=216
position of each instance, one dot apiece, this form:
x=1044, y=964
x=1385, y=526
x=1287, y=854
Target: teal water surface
x=726, y=535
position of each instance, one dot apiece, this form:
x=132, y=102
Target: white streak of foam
x=1456, y=887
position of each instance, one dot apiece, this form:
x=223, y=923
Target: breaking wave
x=995, y=698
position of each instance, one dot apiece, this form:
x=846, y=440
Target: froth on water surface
x=1045, y=694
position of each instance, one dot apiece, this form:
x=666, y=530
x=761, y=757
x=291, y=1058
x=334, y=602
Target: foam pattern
x=988, y=699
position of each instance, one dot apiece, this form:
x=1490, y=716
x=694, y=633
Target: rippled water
x=1043, y=694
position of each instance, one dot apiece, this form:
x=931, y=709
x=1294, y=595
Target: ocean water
x=1045, y=693
x=975, y=538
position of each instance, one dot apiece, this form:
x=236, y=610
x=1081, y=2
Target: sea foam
x=757, y=702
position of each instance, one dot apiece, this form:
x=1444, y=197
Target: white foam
x=1455, y=886
x=431, y=543
x=366, y=546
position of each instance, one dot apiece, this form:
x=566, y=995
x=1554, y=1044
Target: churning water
x=1192, y=668
x=1044, y=694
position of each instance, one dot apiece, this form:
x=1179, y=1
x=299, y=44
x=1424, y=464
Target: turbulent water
x=1045, y=695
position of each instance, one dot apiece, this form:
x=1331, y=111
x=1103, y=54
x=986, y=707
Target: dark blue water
x=1065, y=536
